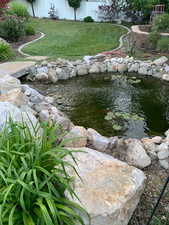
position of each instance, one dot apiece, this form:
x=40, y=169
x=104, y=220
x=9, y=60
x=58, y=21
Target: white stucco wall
x=88, y=8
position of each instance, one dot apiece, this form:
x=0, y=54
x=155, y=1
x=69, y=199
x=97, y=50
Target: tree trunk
x=75, y=14
x=33, y=11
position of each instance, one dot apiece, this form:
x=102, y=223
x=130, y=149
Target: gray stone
x=42, y=69
x=98, y=141
x=162, y=60
x=133, y=67
x=136, y=154
x=103, y=67
x=44, y=115
x=163, y=151
x=34, y=96
x=107, y=188
x=164, y=163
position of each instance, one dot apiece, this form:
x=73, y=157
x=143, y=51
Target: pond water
x=129, y=106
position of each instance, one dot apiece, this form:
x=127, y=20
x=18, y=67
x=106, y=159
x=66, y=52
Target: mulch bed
x=24, y=40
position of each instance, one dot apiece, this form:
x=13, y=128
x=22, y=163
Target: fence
x=88, y=8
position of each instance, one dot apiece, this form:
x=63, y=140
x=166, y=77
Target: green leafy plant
x=12, y=28
x=161, y=23
x=18, y=9
x=153, y=39
x=33, y=178
x=163, y=44
x=6, y=51
x=88, y=19
x=29, y=30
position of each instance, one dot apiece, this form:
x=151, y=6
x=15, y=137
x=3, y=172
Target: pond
x=128, y=105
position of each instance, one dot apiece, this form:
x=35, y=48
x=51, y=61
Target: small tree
x=32, y=6
x=75, y=4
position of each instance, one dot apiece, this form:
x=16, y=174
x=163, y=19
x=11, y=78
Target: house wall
x=88, y=8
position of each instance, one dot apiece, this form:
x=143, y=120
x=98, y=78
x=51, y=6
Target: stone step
x=16, y=69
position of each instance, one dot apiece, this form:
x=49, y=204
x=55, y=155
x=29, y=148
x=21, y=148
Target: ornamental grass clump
x=33, y=178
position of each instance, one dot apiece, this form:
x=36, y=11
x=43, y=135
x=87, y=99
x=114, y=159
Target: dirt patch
x=156, y=178
x=24, y=40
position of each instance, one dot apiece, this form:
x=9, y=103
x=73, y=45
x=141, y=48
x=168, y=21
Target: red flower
x=4, y=3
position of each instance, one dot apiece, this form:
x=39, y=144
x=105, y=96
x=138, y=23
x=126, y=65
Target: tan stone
x=108, y=189
x=7, y=83
x=15, y=96
x=77, y=137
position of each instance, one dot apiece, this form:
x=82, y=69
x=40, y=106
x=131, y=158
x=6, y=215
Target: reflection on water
x=86, y=100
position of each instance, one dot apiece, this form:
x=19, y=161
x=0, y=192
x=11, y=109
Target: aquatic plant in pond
x=118, y=119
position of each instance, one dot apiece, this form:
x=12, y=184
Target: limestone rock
x=136, y=154
x=162, y=60
x=77, y=137
x=15, y=96
x=163, y=151
x=150, y=147
x=42, y=76
x=108, y=189
x=82, y=69
x=157, y=139
x=52, y=76
x=101, y=143
x=133, y=67
x=122, y=68
x=94, y=68
x=165, y=77
x=8, y=110
x=164, y=163
x=7, y=83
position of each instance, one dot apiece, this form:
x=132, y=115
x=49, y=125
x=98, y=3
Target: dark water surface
x=86, y=100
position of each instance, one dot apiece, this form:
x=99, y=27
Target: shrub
x=29, y=29
x=33, y=178
x=18, y=9
x=88, y=19
x=153, y=39
x=163, y=44
x=6, y=51
x=161, y=23
x=12, y=28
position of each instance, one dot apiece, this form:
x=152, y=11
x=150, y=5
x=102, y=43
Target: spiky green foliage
x=33, y=178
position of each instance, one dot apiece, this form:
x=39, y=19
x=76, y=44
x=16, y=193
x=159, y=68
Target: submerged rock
x=108, y=189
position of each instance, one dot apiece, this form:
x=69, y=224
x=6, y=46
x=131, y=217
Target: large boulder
x=14, y=96
x=8, y=110
x=107, y=188
x=8, y=83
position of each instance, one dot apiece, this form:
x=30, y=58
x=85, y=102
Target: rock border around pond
x=62, y=69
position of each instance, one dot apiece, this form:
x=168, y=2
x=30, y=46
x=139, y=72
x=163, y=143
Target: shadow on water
x=87, y=100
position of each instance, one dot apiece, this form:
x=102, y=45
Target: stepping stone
x=37, y=58
x=16, y=69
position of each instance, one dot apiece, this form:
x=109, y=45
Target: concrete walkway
x=16, y=69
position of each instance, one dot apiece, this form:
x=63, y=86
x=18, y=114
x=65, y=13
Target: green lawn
x=73, y=39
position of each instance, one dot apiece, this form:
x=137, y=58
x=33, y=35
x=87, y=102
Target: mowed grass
x=69, y=39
